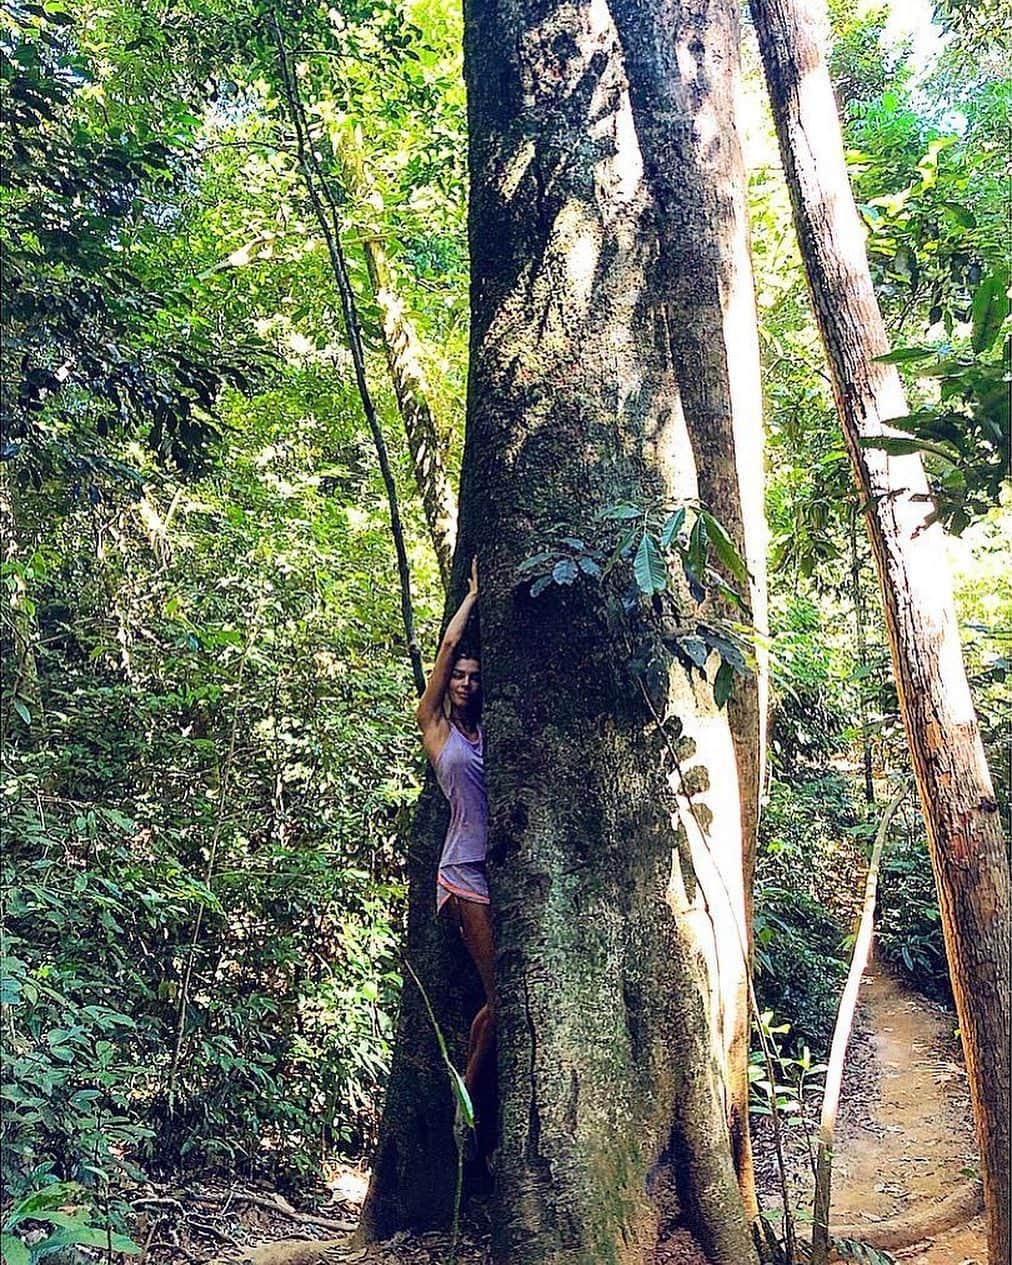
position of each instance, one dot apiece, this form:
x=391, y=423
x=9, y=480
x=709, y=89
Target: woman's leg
x=475, y=922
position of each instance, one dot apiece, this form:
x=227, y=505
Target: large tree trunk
x=612, y=1102
x=613, y=1106
x=683, y=66
x=415, y=1165
x=964, y=831
x=405, y=360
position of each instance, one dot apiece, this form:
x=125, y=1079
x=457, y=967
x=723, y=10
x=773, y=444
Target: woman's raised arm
x=430, y=705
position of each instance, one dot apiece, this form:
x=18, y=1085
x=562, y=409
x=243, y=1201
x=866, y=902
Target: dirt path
x=909, y=1143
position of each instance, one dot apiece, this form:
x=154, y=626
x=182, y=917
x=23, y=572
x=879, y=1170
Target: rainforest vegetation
x=252, y=347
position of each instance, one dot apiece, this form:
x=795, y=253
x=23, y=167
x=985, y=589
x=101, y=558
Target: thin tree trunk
x=968, y=851
x=322, y=202
x=404, y=357
x=841, y=1039
x=861, y=642
x=684, y=71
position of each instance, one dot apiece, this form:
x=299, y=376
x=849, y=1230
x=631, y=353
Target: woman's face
x=465, y=684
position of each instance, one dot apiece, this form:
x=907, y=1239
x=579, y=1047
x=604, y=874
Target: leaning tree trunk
x=684, y=71
x=964, y=830
x=405, y=360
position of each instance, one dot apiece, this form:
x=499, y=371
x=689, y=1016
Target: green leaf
x=565, y=571
x=535, y=560
x=963, y=216
x=14, y=1251
x=901, y=446
x=624, y=543
x=698, y=541
x=724, y=548
x=722, y=683
x=83, y=1236
x=904, y=354
x=672, y=527
x=648, y=567
x=41, y=1200
x=990, y=308
x=22, y=710
x=696, y=649
x=463, y=1097
x=621, y=511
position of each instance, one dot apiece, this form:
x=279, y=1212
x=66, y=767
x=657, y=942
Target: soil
x=904, y=1142
x=914, y=1142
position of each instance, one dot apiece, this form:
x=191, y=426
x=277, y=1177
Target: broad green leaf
x=649, y=567
x=698, y=541
x=904, y=354
x=621, y=511
x=14, y=1251
x=83, y=1236
x=48, y=1197
x=535, y=560
x=696, y=649
x=722, y=683
x=724, y=548
x=901, y=446
x=990, y=308
x=672, y=527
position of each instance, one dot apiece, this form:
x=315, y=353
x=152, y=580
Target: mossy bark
x=608, y=842
x=613, y=1111
x=684, y=71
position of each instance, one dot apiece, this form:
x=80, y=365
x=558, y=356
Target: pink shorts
x=468, y=880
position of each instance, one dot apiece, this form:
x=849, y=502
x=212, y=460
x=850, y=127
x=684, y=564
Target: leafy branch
x=656, y=556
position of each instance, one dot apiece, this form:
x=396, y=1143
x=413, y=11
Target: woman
x=448, y=716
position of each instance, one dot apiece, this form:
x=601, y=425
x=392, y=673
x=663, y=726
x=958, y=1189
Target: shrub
x=799, y=965
x=909, y=922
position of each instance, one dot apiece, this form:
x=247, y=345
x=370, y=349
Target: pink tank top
x=460, y=772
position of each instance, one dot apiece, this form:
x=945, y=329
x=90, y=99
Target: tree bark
x=612, y=1103
x=968, y=851
x=684, y=77
x=861, y=643
x=404, y=358
x=608, y=913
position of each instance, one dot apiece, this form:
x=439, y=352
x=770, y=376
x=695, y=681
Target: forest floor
x=904, y=1144
x=904, y=1136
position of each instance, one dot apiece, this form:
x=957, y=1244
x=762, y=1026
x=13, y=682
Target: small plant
x=798, y=964
x=58, y=1216
x=796, y=1075
x=852, y=1250
x=910, y=923
x=463, y=1116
